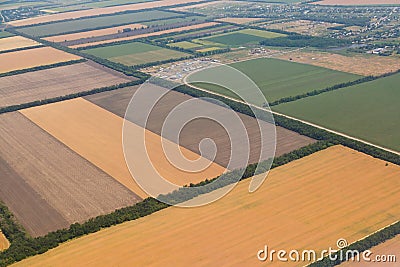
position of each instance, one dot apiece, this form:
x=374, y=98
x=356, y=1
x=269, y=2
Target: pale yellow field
x=33, y=58
x=191, y=27
x=97, y=11
x=362, y=64
x=307, y=204
x=185, y=8
x=239, y=20
x=4, y=244
x=88, y=34
x=15, y=42
x=96, y=134
x=357, y=2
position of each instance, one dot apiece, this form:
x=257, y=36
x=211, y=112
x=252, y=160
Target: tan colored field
x=4, y=244
x=15, y=42
x=60, y=81
x=357, y=2
x=48, y=186
x=390, y=247
x=239, y=20
x=96, y=134
x=362, y=65
x=33, y=58
x=98, y=11
x=185, y=8
x=307, y=204
x=307, y=27
x=88, y=34
x=186, y=28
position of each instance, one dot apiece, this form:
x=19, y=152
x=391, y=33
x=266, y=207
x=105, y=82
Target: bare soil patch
x=60, y=81
x=72, y=186
x=239, y=20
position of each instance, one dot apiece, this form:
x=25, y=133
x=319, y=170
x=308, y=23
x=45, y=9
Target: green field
x=242, y=37
x=369, y=111
x=135, y=53
x=96, y=22
x=98, y=4
x=5, y=34
x=185, y=45
x=277, y=78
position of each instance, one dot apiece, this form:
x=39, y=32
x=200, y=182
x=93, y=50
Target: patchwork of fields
x=95, y=134
x=33, y=58
x=58, y=186
x=16, y=42
x=369, y=111
x=135, y=53
x=60, y=81
x=329, y=188
x=197, y=130
x=277, y=78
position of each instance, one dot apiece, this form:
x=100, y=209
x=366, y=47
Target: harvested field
x=135, y=53
x=358, y=64
x=4, y=244
x=239, y=20
x=329, y=188
x=60, y=81
x=33, y=58
x=277, y=78
x=356, y=2
x=186, y=28
x=368, y=111
x=305, y=27
x=48, y=186
x=195, y=131
x=97, y=11
x=15, y=42
x=241, y=37
x=96, y=134
x=87, y=34
x=186, y=8
x=390, y=247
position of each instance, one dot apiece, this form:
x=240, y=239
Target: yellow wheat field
x=16, y=42
x=306, y=204
x=96, y=134
x=4, y=244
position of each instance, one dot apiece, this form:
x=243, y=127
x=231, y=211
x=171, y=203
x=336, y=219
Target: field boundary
x=21, y=49
x=332, y=88
x=23, y=246
x=43, y=67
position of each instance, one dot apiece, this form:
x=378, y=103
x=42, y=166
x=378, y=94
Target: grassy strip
x=21, y=49
x=44, y=67
x=332, y=88
x=23, y=246
x=67, y=97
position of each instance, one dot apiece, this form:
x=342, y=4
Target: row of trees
x=21, y=49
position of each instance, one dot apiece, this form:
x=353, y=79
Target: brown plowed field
x=15, y=42
x=306, y=204
x=133, y=37
x=356, y=2
x=199, y=129
x=96, y=134
x=39, y=165
x=80, y=35
x=60, y=81
x=98, y=11
x=26, y=59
